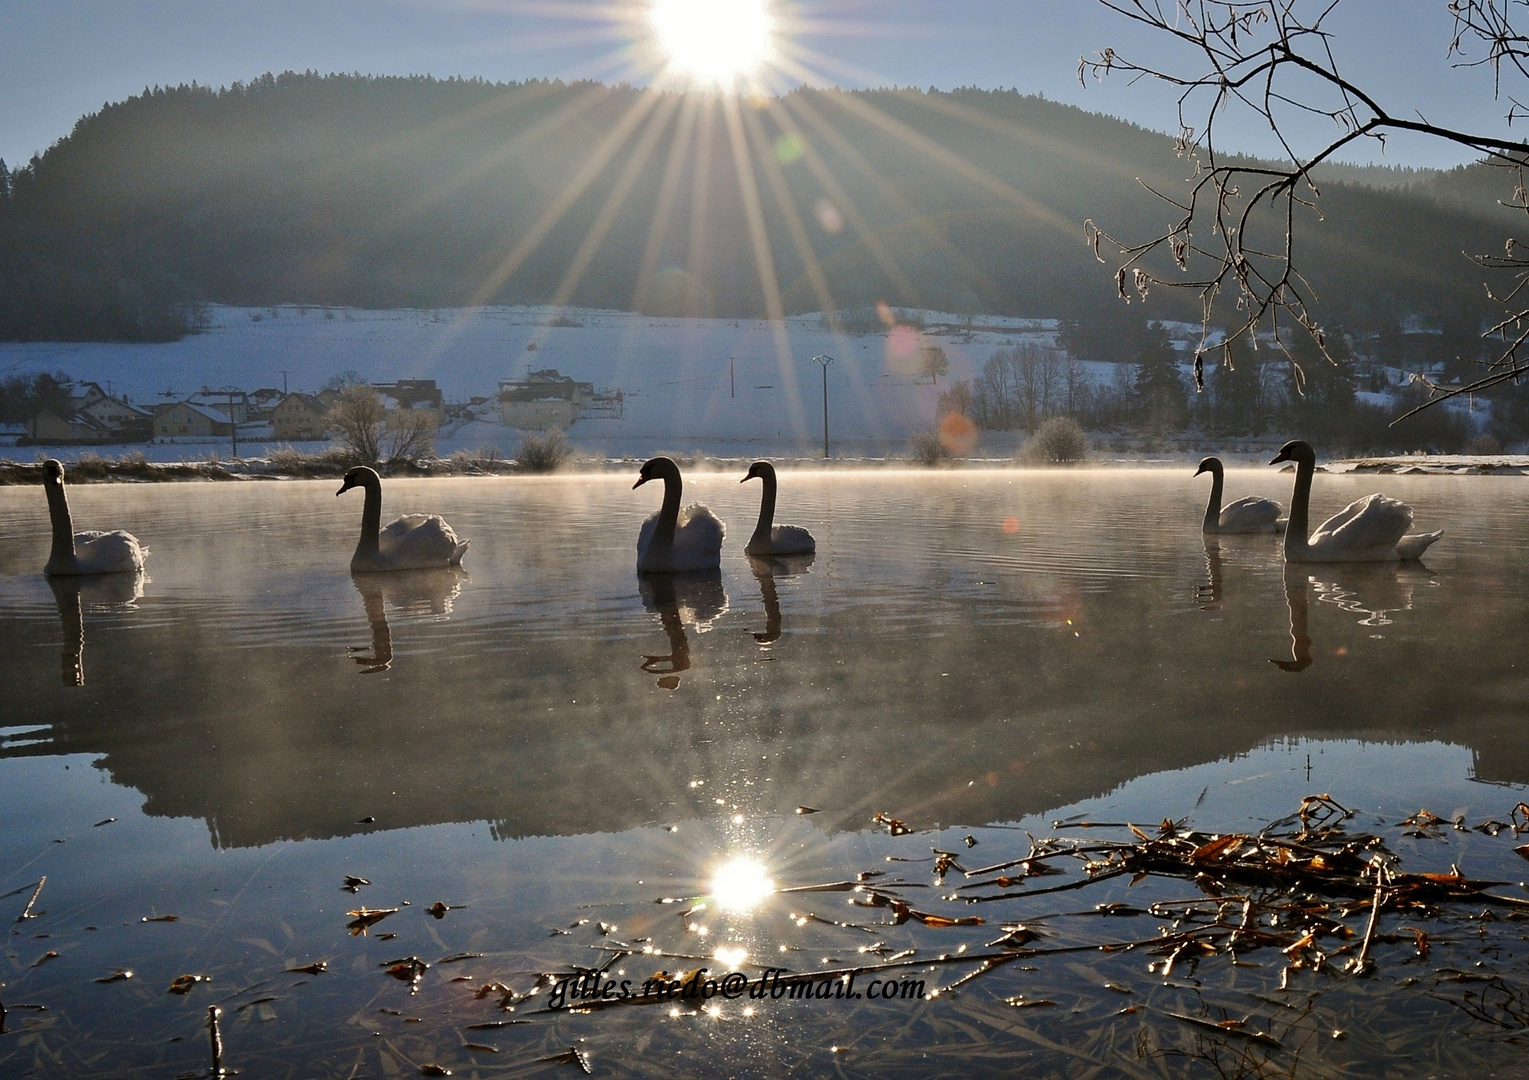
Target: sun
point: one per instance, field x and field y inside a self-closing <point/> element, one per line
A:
<point x="715" y="43"/>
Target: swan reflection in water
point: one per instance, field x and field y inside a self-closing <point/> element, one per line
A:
<point x="766" y="570"/>
<point x="1375" y="591"/>
<point x="1208" y="596"/>
<point x="100" y="591"/>
<point x="697" y="598"/>
<point x="411" y="594"/>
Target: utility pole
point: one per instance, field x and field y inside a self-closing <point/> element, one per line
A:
<point x="283" y="382"/>
<point x="732" y="382"/>
<point x="825" y="360"/>
<point x="233" y="425"/>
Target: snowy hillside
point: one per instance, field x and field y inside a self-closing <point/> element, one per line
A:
<point x="673" y="373"/>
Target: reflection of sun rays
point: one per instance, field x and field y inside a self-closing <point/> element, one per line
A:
<point x="740" y="885"/>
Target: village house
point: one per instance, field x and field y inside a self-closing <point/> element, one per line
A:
<point x="49" y="428"/>
<point x="548" y="400"/>
<point x="298" y="418"/>
<point x="92" y="416"/>
<point x="235" y="406"/>
<point x="128" y="422"/>
<point x="415" y="395"/>
<point x="263" y="402"/>
<point x="187" y="420"/>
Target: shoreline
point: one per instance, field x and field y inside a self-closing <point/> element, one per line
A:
<point x="133" y="468"/>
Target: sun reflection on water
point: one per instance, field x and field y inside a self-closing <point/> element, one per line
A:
<point x="740" y="885"/>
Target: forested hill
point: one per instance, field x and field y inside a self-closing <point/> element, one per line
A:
<point x="420" y="192"/>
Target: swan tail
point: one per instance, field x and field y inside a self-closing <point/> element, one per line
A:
<point x="1412" y="547"/>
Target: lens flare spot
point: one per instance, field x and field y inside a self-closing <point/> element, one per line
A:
<point x="741" y="885"/>
<point x="1011" y="525"/>
<point x="902" y="350"/>
<point x="829" y="217"/>
<point x="788" y="149"/>
<point x="958" y="434"/>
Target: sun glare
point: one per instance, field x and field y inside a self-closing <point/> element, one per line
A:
<point x="716" y="43"/>
<point x="741" y="885"/>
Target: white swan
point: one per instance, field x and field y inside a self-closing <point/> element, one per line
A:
<point x="769" y="538"/>
<point x="1371" y="529"/>
<point x="84" y="552"/>
<point x="1248" y="515"/>
<point x="672" y="541"/>
<point x="413" y="542"/>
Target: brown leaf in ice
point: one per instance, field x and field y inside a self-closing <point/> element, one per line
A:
<point x="363" y="918"/>
<point x="183" y="984"/>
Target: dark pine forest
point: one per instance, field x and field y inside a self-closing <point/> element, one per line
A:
<point x="384" y="192"/>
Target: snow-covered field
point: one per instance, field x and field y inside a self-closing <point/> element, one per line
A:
<point x="719" y="386"/>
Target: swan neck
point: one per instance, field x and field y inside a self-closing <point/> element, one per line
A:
<point x="766" y="508"/>
<point x="371" y="517"/>
<point x="58" y="515"/>
<point x="1213" y="508"/>
<point x="669" y="514"/>
<point x="1296" y="541"/>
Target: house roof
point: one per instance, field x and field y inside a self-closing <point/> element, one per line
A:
<point x="307" y="399"/>
<point x="209" y="414"/>
<point x="116" y="401"/>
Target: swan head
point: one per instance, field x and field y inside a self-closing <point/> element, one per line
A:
<point x="53" y="471"/>
<point x="360" y="476"/>
<point x="659" y="468"/>
<point x="1209" y="465"/>
<point x="1295" y="450"/>
<point x="760" y="470"/>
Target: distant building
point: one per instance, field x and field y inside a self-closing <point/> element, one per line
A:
<point x="263" y="402"/>
<point x="415" y="395"/>
<point x="92" y="416"/>
<point x="548" y="400"/>
<point x="234" y="406"/>
<point x="298" y="418"/>
<point x="188" y="420"/>
<point x="50" y="428"/>
<point x="128" y="422"/>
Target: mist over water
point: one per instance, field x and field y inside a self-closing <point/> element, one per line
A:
<point x="966" y="651"/>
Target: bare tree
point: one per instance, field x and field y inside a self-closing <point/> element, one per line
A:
<point x="933" y="362"/>
<point x="1233" y="235"/>
<point x="356" y="418"/>
<point x="409" y="434"/>
<point x="1038" y="370"/>
<point x="360" y="419"/>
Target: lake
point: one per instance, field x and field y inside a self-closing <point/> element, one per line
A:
<point x="523" y="758"/>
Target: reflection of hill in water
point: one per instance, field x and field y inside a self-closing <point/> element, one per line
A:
<point x="972" y="691"/>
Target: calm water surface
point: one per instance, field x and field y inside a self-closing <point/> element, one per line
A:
<point x="546" y="743"/>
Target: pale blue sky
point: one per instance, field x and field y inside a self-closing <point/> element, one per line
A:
<point x="62" y="58"/>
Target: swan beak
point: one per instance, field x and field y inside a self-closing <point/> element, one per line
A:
<point x="1279" y="457"/>
<point x="1200" y="470"/>
<point x="641" y="480"/>
<point x="343" y="488"/>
